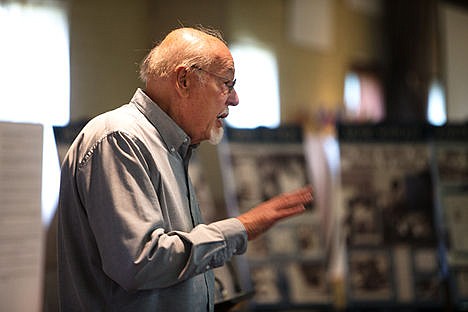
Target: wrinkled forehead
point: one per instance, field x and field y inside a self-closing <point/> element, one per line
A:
<point x="222" y="58"/>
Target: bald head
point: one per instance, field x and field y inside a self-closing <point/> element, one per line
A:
<point x="181" y="47"/>
<point x="190" y="76"/>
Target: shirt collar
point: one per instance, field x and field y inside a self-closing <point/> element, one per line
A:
<point x="173" y="136"/>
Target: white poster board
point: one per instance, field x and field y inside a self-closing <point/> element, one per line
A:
<point x="455" y="31"/>
<point x="21" y="233"/>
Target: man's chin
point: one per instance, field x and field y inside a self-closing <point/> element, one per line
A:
<point x="216" y="135"/>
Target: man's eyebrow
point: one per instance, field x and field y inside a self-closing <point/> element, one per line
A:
<point x="230" y="69"/>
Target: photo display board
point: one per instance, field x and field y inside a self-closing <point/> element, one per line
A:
<point x="450" y="149"/>
<point x="287" y="264"/>
<point x="389" y="221"/>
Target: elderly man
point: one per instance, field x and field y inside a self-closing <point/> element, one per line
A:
<point x="130" y="235"/>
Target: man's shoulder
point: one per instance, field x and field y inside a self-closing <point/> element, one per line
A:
<point x="125" y="119"/>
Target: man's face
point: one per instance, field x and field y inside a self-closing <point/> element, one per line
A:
<point x="211" y="101"/>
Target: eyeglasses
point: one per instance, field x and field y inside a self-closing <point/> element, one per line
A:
<point x="228" y="82"/>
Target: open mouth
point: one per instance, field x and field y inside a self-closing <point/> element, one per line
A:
<point x="223" y="115"/>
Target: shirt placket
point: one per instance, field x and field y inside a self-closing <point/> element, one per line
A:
<point x="197" y="219"/>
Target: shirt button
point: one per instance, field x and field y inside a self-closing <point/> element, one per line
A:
<point x="172" y="149"/>
<point x="207" y="267"/>
<point x="186" y="140"/>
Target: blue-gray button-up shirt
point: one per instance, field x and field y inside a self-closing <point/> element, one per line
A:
<point x="130" y="234"/>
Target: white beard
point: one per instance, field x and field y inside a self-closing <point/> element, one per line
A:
<point x="216" y="135"/>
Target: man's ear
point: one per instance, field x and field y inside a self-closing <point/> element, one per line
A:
<point x="182" y="81"/>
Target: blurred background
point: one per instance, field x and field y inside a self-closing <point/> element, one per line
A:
<point x="312" y="63"/>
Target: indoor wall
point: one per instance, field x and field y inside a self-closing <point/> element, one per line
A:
<point x="108" y="39"/>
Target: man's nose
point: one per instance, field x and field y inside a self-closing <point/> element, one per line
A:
<point x="233" y="99"/>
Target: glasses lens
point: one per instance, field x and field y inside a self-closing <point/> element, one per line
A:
<point x="230" y="84"/>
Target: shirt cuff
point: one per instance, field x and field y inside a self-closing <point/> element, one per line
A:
<point x="234" y="233"/>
